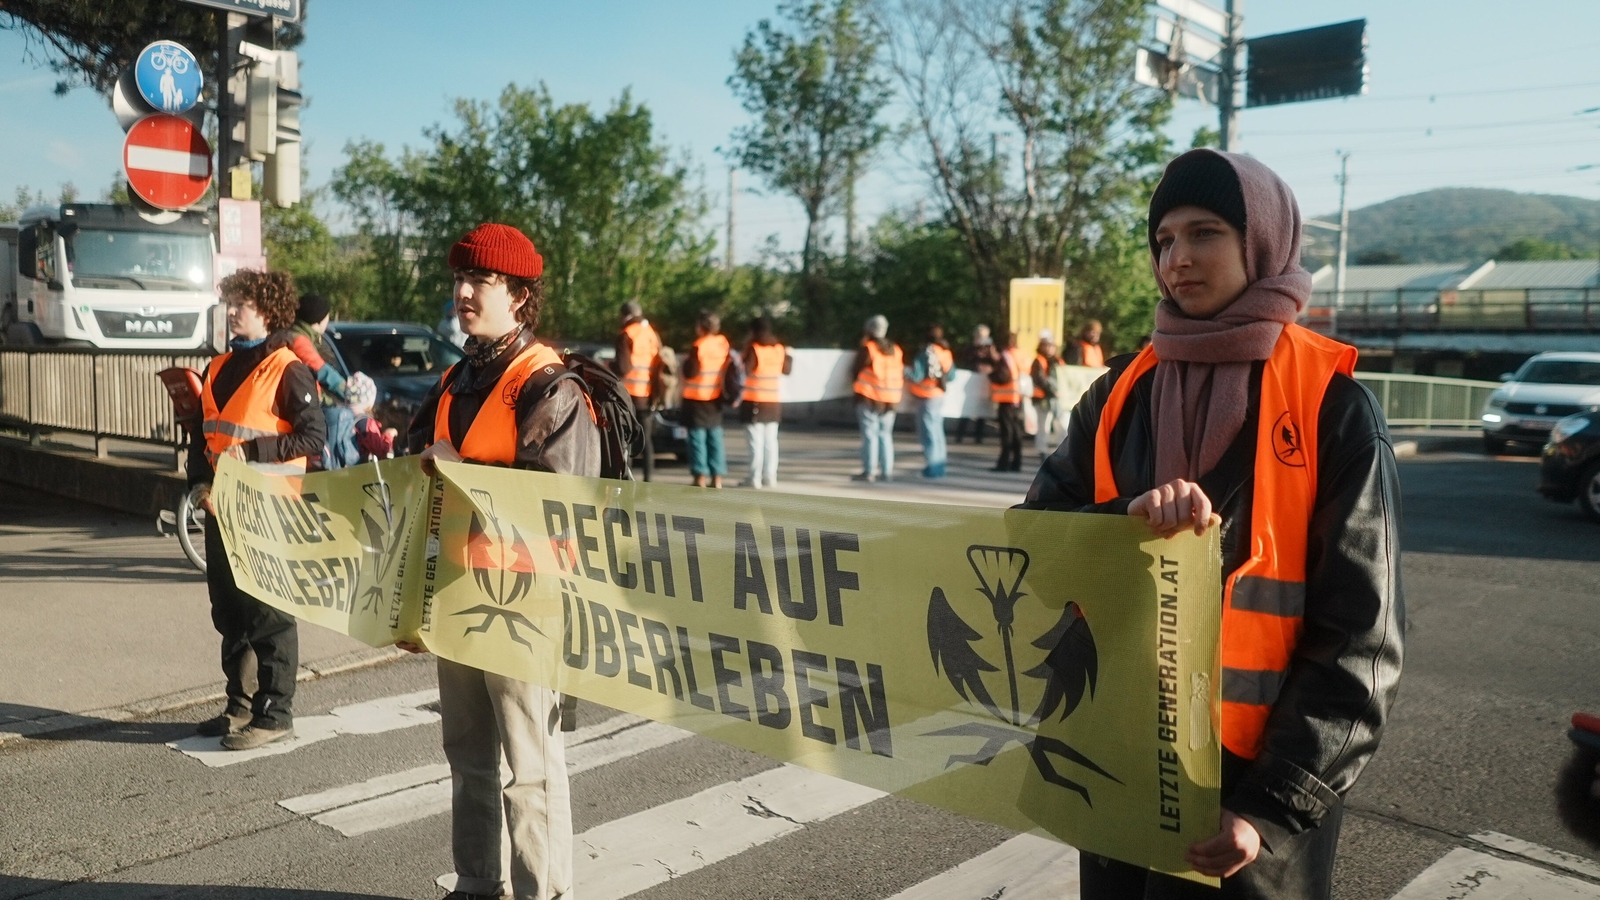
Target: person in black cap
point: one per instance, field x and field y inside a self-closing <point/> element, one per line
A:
<point x="311" y="346"/>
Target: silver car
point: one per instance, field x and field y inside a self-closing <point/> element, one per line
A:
<point x="1548" y="388"/>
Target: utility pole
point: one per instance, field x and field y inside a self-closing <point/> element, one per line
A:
<point x="850" y="209"/>
<point x="733" y="191"/>
<point x="1231" y="77"/>
<point x="1344" y="230"/>
<point x="231" y="28"/>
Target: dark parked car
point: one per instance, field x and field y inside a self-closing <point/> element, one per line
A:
<point x="405" y="361"/>
<point x="1570" y="469"/>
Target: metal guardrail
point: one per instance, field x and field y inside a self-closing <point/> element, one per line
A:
<point x="1425" y="401"/>
<point x="105" y="395"/>
<point x="1543" y="310"/>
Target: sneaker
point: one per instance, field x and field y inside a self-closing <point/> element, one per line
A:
<point x="252" y="736"/>
<point x="886" y="478"/>
<point x="224" y="724"/>
<point x="863" y="476"/>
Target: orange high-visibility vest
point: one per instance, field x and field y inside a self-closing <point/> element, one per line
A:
<point x="712" y="351"/>
<point x="1091" y="354"/>
<point x="928" y="388"/>
<point x="646" y="355"/>
<point x="884" y="380"/>
<point x="248" y="414"/>
<point x="1264" y="599"/>
<point x="492" y="436"/>
<point x="1044" y="372"/>
<point x="1011" y="391"/>
<point x="761" y="384"/>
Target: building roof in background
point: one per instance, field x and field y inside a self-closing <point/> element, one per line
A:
<point x="1422" y="277"/>
<point x="1567" y="273"/>
<point x="1487" y="275"/>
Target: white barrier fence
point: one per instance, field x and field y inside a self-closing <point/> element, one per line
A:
<point x="819" y="375"/>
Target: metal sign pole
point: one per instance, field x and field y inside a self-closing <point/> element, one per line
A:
<point x="1344" y="230"/>
<point x="1228" y="107"/>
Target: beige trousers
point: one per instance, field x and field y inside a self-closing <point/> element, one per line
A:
<point x="514" y="827"/>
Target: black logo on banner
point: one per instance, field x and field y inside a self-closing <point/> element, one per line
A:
<point x="502" y="568"/>
<point x="380" y="545"/>
<point x="1069" y="669"/>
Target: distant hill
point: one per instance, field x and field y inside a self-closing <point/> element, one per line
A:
<point x="1461" y="224"/>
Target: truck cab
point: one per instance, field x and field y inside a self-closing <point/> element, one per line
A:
<point x="107" y="276"/>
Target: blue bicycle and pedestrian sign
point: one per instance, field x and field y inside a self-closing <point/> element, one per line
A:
<point x="168" y="77"/>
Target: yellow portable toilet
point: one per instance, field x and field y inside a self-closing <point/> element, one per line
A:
<point x="1037" y="304"/>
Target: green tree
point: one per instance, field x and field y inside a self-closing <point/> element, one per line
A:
<point x="1535" y="248"/>
<point x="814" y="92"/>
<point x="1035" y="139"/>
<point x="297" y="240"/>
<point x="90" y="42"/>
<point x="613" y="214"/>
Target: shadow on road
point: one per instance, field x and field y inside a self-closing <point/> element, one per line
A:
<point x="74" y="727"/>
<point x="15" y="888"/>
<point x="1579" y="810"/>
<point x="71" y="565"/>
<point x="1489" y="507"/>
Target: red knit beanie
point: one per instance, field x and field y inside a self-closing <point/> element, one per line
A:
<point x="498" y="248"/>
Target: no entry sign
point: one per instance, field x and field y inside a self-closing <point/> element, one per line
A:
<point x="167" y="160"/>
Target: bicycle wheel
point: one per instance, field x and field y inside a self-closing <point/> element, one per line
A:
<point x="192" y="527"/>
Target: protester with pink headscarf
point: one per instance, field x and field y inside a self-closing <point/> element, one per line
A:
<point x="1237" y="418"/>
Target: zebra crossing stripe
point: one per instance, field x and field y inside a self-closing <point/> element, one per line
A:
<point x="391" y="800"/>
<point x="1464" y="874"/>
<point x="1027" y="867"/>
<point x="371" y="717"/>
<point x="628" y="855"/>
<point x="1569" y="861"/>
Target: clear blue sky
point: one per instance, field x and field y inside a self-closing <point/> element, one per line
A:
<point x="1500" y="86"/>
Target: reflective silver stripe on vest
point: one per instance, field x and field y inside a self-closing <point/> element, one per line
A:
<point x="1256" y="687"/>
<point x="235" y="431"/>
<point x="1252" y="593"/>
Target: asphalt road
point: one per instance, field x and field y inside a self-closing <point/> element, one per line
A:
<point x="1476" y="791"/>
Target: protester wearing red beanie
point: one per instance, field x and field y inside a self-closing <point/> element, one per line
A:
<point x="497" y="248"/>
<point x="487" y="718"/>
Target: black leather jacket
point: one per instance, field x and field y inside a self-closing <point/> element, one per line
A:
<point x="1342" y="679"/>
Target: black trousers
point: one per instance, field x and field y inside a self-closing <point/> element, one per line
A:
<point x="259" y="643"/>
<point x="977" y="429"/>
<point x="1301" y="869"/>
<point x="647" y="420"/>
<point x="1011" y="428"/>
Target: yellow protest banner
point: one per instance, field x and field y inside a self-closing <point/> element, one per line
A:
<point x="1044" y="671"/>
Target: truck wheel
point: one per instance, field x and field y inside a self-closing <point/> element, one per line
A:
<point x="1589" y="491"/>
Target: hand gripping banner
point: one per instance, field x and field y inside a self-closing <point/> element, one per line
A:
<point x="1044" y="671"/>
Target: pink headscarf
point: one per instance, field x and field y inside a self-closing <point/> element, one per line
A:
<point x="1202" y="381"/>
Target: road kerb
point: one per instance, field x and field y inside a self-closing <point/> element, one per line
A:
<point x="138" y="709"/>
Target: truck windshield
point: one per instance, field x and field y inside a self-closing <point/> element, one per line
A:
<point x="1561" y="371"/>
<point x="154" y="261"/>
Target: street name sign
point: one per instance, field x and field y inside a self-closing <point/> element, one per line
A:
<point x="168" y="161"/>
<point x="281" y="9"/>
<point x="168" y="77"/>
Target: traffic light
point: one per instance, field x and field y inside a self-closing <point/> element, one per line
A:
<point x="281" y="174"/>
<point x="272" y="120"/>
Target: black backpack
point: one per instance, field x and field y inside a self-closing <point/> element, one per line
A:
<point x="733" y="378"/>
<point x="621" y="435"/>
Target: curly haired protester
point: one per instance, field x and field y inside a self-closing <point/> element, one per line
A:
<point x="1237" y="411"/>
<point x="260" y="405"/>
<point x="505" y="405"/>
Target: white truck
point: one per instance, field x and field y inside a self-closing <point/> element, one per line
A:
<point x="108" y="276"/>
